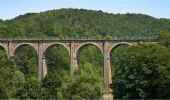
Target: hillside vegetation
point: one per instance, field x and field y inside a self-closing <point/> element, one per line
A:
<point x="81" y="23"/>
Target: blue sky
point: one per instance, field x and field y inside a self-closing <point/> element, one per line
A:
<point x="157" y="8"/>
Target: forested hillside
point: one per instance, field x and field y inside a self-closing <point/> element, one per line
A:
<point x="80" y="23"/>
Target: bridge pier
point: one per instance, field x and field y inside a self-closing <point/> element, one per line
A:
<point x="9" y="50"/>
<point x="40" y="61"/>
<point x="107" y="92"/>
<point x="73" y="59"/>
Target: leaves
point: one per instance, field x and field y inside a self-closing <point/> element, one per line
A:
<point x="87" y="83"/>
<point x="142" y="72"/>
<point x="80" y="23"/>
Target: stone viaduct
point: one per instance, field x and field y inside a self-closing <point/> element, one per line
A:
<point x="73" y="47"/>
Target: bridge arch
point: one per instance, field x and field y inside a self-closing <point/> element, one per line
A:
<point x="21" y="45"/>
<point x="56" y="43"/>
<point x="29" y="69"/>
<point x="77" y="51"/>
<point x="97" y="49"/>
<point x="46" y="61"/>
<point x="115" y="46"/>
<point x="99" y="60"/>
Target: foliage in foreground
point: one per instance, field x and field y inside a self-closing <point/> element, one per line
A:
<point x="142" y="71"/>
<point x="87" y="83"/>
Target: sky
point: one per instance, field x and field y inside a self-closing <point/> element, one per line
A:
<point x="156" y="8"/>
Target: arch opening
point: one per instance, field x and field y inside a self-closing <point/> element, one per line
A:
<point x="56" y="44"/>
<point x="22" y="45"/>
<point x="26" y="61"/>
<point x="58" y="66"/>
<point x="115" y="52"/>
<point x="57" y="58"/>
<point x="87" y="44"/>
<point x="90" y="63"/>
<point x="89" y="53"/>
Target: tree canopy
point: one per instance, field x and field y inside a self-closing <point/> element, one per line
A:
<point x="142" y="71"/>
<point x="80" y="23"/>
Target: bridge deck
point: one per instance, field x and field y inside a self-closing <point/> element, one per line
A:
<point x="85" y="40"/>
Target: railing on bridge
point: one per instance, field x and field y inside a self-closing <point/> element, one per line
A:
<point x="87" y="38"/>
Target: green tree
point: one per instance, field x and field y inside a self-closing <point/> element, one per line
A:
<point x="57" y="58"/>
<point x="3" y="91"/>
<point x="142" y="72"/>
<point x="115" y="53"/>
<point x="165" y="39"/>
<point x="10" y="77"/>
<point x="91" y="54"/>
<point x="3" y="75"/>
<point x="52" y="82"/>
<point x="55" y="84"/>
<point x="87" y="84"/>
<point x="80" y="23"/>
<point x="30" y="89"/>
<point x="27" y="61"/>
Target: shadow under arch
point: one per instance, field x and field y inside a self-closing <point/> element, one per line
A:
<point x="55" y="59"/>
<point x="26" y="58"/>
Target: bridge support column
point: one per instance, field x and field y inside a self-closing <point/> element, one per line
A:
<point x="107" y="74"/>
<point x="42" y="67"/>
<point x="10" y="53"/>
<point x="73" y="59"/>
<point x="40" y="61"/>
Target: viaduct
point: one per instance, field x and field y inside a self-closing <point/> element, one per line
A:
<point x="73" y="47"/>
